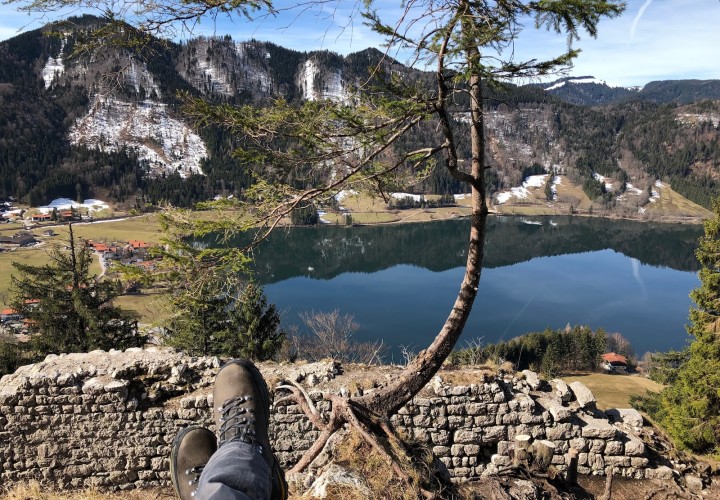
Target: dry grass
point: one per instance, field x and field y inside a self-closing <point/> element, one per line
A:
<point x="36" y="256"/>
<point x="34" y="491"/>
<point x="146" y="228"/>
<point x="536" y="204"/>
<point x="354" y="453"/>
<point x="672" y="204"/>
<point x="151" y="308"/>
<point x="614" y="391"/>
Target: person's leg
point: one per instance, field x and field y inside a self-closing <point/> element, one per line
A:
<point x="236" y="471"/>
<point x="244" y="465"/>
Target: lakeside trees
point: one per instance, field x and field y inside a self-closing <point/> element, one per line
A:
<point x="554" y="352"/>
<point x="217" y="308"/>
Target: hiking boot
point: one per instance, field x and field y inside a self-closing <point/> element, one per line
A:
<point x="242" y="412"/>
<point x="191" y="450"/>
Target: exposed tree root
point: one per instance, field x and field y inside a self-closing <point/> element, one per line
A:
<point x="345" y="411"/>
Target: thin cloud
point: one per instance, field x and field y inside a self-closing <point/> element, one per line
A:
<point x="638" y="16"/>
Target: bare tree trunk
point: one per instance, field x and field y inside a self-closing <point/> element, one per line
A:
<point x="420" y="371"/>
<point x="376" y="408"/>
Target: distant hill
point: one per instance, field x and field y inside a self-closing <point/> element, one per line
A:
<point x="590" y="91"/>
<point x="108" y="124"/>
<point x="586" y="91"/>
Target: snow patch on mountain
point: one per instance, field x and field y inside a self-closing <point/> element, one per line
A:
<point x="137" y="76"/>
<point x="216" y="78"/>
<point x="698" y="118"/>
<point x="607" y="182"/>
<point x="584" y="79"/>
<point x="401" y="196"/>
<point x="316" y="86"/>
<point x="522" y="192"/>
<point x="54" y="67"/>
<point x="163" y="141"/>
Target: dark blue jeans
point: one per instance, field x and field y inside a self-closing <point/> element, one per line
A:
<point x="236" y="471"/>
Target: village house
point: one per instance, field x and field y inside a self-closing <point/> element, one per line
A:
<point x="21" y="239"/>
<point x="614" y="363"/>
<point x="8" y="315"/>
<point x="41" y="217"/>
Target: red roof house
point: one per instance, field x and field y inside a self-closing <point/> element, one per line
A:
<point x="614" y="358"/>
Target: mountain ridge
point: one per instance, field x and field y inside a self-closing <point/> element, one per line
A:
<point x="115" y="108"/>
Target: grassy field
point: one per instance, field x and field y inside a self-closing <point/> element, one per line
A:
<point x="671" y="203"/>
<point x="151" y="308"/>
<point x="614" y="391"/>
<point x="145" y="228"/>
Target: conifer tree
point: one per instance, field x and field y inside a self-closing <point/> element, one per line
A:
<point x="66" y="308"/>
<point x="690" y="406"/>
<point x="217" y="310"/>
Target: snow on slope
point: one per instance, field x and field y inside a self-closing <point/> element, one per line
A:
<point x="137" y="75"/>
<point x="588" y="79"/>
<point x="522" y="192"/>
<point x="166" y="143"/>
<point x="316" y="86"/>
<point x="67" y="204"/>
<point x="54" y="66"/>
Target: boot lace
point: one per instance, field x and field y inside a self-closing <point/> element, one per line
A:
<point x="237" y="422"/>
<point x="195" y="473"/>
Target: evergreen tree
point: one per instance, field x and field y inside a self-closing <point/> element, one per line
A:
<point x="67" y="309"/>
<point x="215" y="311"/>
<point x="689" y="408"/>
<point x="253" y="327"/>
<point x="9" y="355"/>
<point x="306" y="215"/>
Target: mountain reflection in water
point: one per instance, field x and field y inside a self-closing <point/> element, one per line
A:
<point x="399" y="281"/>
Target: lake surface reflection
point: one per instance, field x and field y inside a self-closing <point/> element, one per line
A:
<point x="400" y="281"/>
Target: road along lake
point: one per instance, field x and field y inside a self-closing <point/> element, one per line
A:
<point x="399" y="281"/>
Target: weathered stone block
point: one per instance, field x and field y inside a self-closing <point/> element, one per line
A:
<point x="583" y="395"/>
<point x="628" y="416"/>
<point x="596" y="428"/>
<point x="662" y="472"/>
<point x="617" y="461"/>
<point x="532" y="379"/>
<point x="494" y="434"/>
<point x="469" y="436"/>
<point x="614" y="447"/>
<point x="441" y="451"/>
<point x="558" y="432"/>
<point x="634" y="447"/>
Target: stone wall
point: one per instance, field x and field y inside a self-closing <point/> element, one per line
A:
<point x="108" y="419"/>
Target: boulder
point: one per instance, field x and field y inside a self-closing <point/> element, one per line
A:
<point x="532" y="379"/>
<point x="583" y="395"/>
<point x="562" y="390"/>
<point x="627" y="416"/>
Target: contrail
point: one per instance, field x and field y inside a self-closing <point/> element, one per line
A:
<point x="636" y="274"/>
<point x="637" y="18"/>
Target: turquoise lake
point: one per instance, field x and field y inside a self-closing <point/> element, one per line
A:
<point x="399" y="281"/>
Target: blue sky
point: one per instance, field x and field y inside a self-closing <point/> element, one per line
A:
<point x="652" y="40"/>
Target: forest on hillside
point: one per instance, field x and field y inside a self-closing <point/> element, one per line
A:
<point x="638" y="141"/>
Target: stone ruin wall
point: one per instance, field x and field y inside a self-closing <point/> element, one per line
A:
<point x="108" y="420"/>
